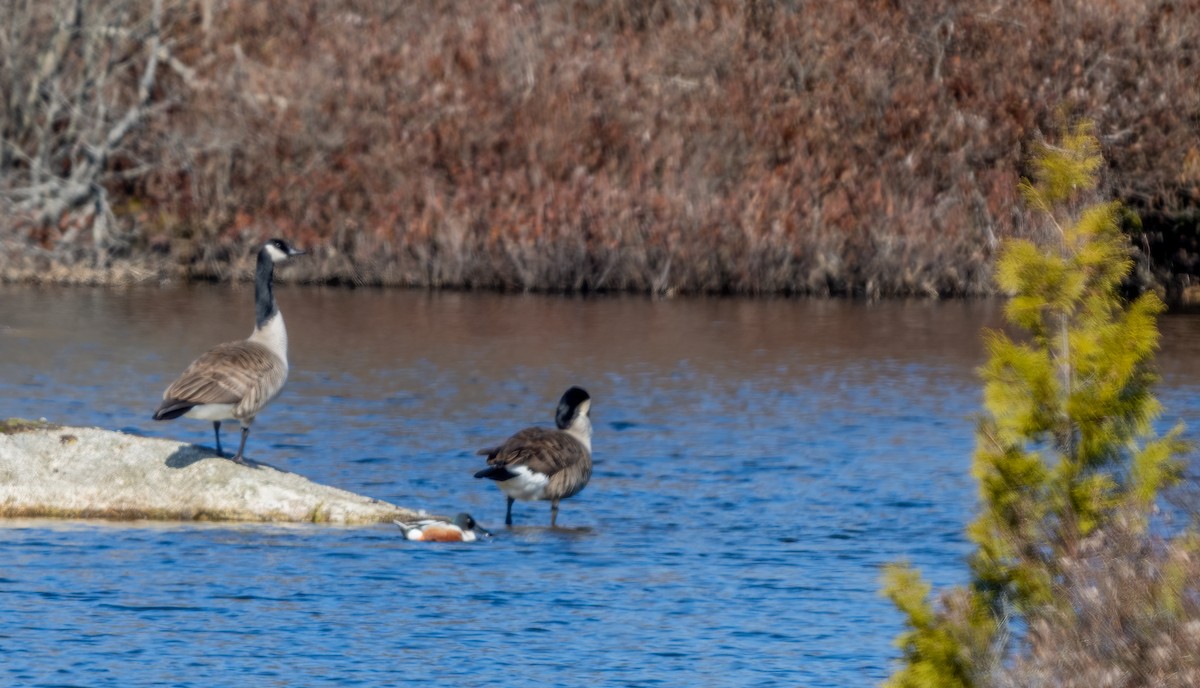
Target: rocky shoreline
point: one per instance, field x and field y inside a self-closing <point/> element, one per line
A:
<point x="53" y="471"/>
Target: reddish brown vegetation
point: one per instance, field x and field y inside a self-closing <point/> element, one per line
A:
<point x="1130" y="618"/>
<point x="652" y="146"/>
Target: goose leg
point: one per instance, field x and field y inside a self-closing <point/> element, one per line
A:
<point x="245" y="433"/>
<point x="217" y="431"/>
<point x="508" y="514"/>
<point x="553" y="513"/>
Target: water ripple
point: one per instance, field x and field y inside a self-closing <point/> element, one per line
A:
<point x="748" y="488"/>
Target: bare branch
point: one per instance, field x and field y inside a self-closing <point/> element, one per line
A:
<point x="133" y="116"/>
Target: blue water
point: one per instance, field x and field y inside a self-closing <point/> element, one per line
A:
<point x="756" y="463"/>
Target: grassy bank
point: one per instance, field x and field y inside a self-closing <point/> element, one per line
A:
<point x="674" y="145"/>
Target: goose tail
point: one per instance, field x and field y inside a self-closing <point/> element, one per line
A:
<point x="498" y="473"/>
<point x="172" y="408"/>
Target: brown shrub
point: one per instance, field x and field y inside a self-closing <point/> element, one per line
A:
<point x="673" y="145"/>
<point x="1132" y="619"/>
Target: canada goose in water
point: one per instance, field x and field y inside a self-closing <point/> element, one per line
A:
<point x="462" y="529"/>
<point x="235" y="380"/>
<point x="545" y="464"/>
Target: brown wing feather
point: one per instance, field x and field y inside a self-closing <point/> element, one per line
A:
<point x="553" y="453"/>
<point x="244" y="373"/>
<point x="571" y="479"/>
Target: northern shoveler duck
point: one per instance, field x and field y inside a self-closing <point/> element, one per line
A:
<point x="541" y="464"/>
<point x="462" y="529"/>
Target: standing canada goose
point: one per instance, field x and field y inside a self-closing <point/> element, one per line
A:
<point x="235" y="380"/>
<point x="545" y="464"/>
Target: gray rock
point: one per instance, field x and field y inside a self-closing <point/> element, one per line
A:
<point x="63" y="472"/>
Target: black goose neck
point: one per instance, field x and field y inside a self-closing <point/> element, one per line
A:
<point x="264" y="299"/>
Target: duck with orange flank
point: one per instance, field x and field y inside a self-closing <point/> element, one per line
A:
<point x="462" y="529"/>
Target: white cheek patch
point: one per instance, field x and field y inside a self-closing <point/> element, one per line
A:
<point x="276" y="255"/>
<point x="525" y="484"/>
